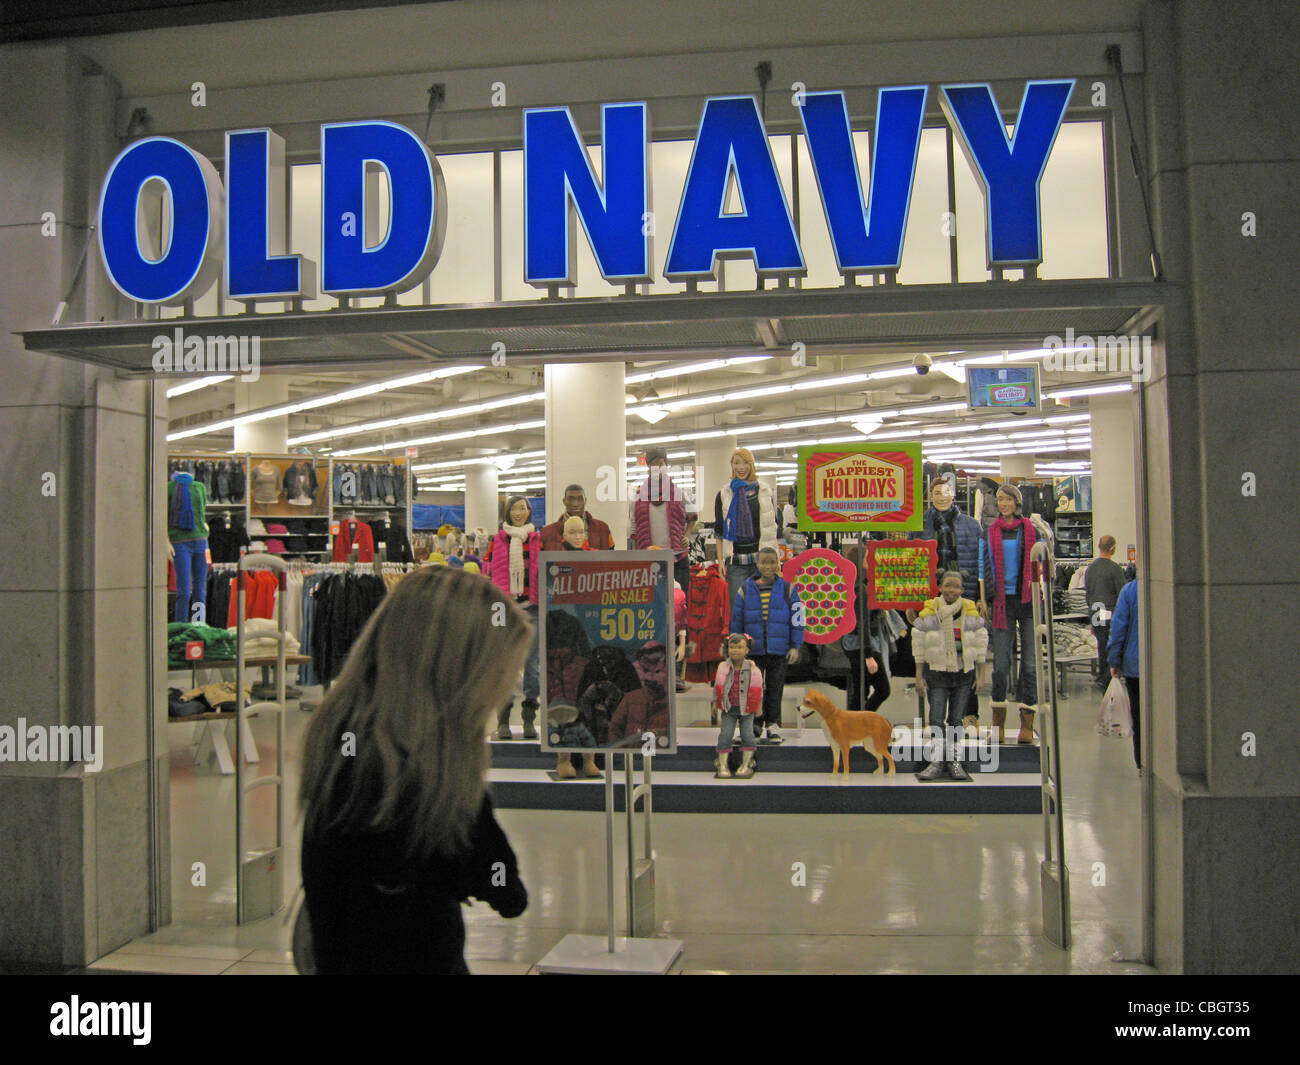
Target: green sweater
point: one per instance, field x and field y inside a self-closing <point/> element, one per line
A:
<point x="199" y="501"/>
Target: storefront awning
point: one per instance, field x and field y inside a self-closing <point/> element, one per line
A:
<point x="883" y="318"/>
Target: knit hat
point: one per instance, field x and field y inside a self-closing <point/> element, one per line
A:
<point x="510" y="505"/>
<point x="1010" y="489"/>
<point x="472" y="567"/>
<point x="654" y="454"/>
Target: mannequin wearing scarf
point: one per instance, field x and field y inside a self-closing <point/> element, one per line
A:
<point x="512" y="564"/>
<point x="1009" y="583"/>
<point x="744" y="520"/>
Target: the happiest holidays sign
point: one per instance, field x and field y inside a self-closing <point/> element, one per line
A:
<point x="235" y="225"/>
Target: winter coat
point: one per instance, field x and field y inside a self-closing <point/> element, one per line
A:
<point x="751" y="691"/>
<point x="564" y="671"/>
<point x="599" y="537"/>
<point x="1122" y="645"/>
<point x="779" y="633"/>
<point x="765" y="527"/>
<point x="929" y="645"/>
<point x="641" y="710"/>
<point x="708" y="614"/>
<point x="970" y="558"/>
<point x="356" y="534"/>
<point x="498" y="560"/>
<point x="675" y="509"/>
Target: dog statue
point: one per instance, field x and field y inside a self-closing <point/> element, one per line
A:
<point x="844" y="728"/>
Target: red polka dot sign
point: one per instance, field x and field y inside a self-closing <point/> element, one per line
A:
<point x="825" y="584"/>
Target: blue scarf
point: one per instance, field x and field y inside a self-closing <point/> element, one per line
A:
<point x="739" y="524"/>
<point x="180" y="515"/>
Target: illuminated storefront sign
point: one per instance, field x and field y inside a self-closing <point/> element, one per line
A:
<point x="860" y="488"/>
<point x="245" y="221"/>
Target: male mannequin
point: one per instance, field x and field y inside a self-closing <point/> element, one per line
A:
<point x="575" y="506"/>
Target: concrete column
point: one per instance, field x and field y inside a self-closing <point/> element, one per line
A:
<point x="713" y="462"/>
<point x="1114" y="471"/>
<point x="481" y="497"/>
<point x="1017" y="466"/>
<point x="586" y="440"/>
<point x="271" y="435"/>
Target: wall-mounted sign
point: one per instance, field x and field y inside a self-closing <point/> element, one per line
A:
<point x="246" y="221"/>
<point x="825" y="584"/>
<point x="900" y="573"/>
<point x="1013" y="388"/>
<point x="860" y="487"/>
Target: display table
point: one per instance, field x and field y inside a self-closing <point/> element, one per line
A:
<point x="212" y="730"/>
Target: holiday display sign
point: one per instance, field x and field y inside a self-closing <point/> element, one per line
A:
<point x="860" y="488"/>
<point x="824" y="581"/>
<point x="606" y="662"/>
<point x="900" y="573"/>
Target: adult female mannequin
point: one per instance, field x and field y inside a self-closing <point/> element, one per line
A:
<point x="743" y="529"/>
<point x="1008" y="587"/>
<point x="511" y="558"/>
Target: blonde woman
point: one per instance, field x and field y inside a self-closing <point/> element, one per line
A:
<point x="398" y="828"/>
<point x="744" y="515"/>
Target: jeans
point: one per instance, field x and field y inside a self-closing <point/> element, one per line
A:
<point x="877" y="683"/>
<point x="737" y="575"/>
<point x="727" y="732"/>
<point x="1102" y="632"/>
<point x="532" y="681"/>
<point x="191" y="565"/>
<point x="773" y="667"/>
<point x="1019" y="615"/>
<point x="1135" y="706"/>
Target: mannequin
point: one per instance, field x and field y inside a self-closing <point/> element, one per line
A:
<point x="1006" y="547"/>
<point x="266" y="483"/>
<point x="512" y="562"/>
<point x="187" y="532"/>
<point x="353" y="533"/>
<point x="657" y="515"/>
<point x="575" y="539"/>
<point x="575" y="505"/>
<point x="740" y="535"/>
<point x="300" y="484"/>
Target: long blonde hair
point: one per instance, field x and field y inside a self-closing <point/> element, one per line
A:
<point x="748" y="456"/>
<point x="401" y="736"/>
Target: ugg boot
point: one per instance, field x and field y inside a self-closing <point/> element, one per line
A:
<point x="564" y="767"/>
<point x="971" y="724"/>
<point x="720" y="762"/>
<point x="590" y="769"/>
<point x="529" y="714"/>
<point x="999" y="722"/>
<point x="957" y="771"/>
<point x="746" y="769"/>
<point x="934" y="771"/>
<point x="1026" y="726"/>
<point x="503" y="722"/>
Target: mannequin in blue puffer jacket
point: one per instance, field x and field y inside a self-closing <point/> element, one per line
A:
<point x="769" y="611"/>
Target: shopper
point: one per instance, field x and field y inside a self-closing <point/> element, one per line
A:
<point x="1122" y="652"/>
<point x="398" y="829"/>
<point x="187" y="531"/>
<point x="873" y="672"/>
<point x="769" y="608"/>
<point x="744" y="515"/>
<point x="575" y="505"/>
<point x="1102" y="582"/>
<point x="948" y="641"/>
<point x="1008" y="572"/>
<point x="511" y="558"/>
<point x="738" y="698"/>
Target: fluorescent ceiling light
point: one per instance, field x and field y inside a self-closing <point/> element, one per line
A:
<point x="1095" y="390"/>
<point x="194" y="386"/>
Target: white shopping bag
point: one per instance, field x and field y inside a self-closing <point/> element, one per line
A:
<point x="1116" y="715"/>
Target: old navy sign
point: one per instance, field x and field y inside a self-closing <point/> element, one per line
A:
<point x="241" y="227"/>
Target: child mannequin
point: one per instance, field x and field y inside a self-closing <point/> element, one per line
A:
<point x="768" y="606"/>
<point x="738" y="697"/>
<point x="512" y="555"/>
<point x="575" y="539"/>
<point x="575" y="534"/>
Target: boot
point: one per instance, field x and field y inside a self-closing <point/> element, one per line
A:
<point x="971" y="724"/>
<point x="720" y="762"/>
<point x="529" y="716"/>
<point x="934" y="771"/>
<point x="564" y="767"/>
<point x="999" y="722"/>
<point x="589" y="768"/>
<point x="957" y="771"/>
<point x="1026" y="726"/>
<point x="503" y="722"/>
<point x="746" y="769"/>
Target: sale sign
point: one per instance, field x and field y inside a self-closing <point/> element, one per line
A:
<point x="900" y="573"/>
<point x="606" y="651"/>
<point x="860" y="488"/>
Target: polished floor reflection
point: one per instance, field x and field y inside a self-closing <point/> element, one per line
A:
<point x="764" y="892"/>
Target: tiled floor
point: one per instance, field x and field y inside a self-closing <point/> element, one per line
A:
<point x="744" y="893"/>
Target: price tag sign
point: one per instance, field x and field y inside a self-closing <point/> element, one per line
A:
<point x="193" y="650"/>
<point x="608" y="670"/>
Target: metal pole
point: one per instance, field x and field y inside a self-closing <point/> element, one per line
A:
<point x="151" y="774"/>
<point x="862" y="626"/>
<point x="629" y="803"/>
<point x="609" y="850"/>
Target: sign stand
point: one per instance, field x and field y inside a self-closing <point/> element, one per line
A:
<point x="630" y="955"/>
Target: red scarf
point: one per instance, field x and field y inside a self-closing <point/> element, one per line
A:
<point x="1010" y="527"/>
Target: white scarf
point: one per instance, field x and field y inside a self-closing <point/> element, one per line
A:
<point x="517" y="534"/>
<point x="948" y="616"/>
